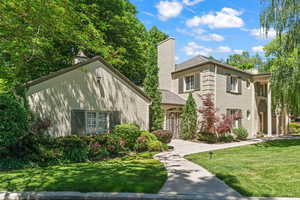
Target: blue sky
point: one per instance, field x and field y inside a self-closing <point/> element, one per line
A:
<point x="208" y="27"/>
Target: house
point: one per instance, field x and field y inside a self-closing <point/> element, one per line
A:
<point x="234" y="90"/>
<point x="88" y="97"/>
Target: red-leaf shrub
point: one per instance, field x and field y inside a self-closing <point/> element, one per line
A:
<point x="165" y="136"/>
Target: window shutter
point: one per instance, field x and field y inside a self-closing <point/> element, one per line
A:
<point x="240" y="86"/>
<point x="241" y="117"/>
<point x="114" y="119"/>
<point x="180" y="89"/>
<point x="197" y="81"/>
<point x="228" y="86"/>
<point x="77" y="122"/>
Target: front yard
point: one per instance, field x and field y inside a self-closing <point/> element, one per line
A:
<point x="269" y="169"/>
<point x="138" y="173"/>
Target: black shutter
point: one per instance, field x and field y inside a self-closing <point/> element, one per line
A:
<point x="228" y="85"/>
<point x="77" y="122"/>
<point x="241" y="117"/>
<point x="180" y="89"/>
<point x="240" y="86"/>
<point x="197" y="81"/>
<point x="114" y="119"/>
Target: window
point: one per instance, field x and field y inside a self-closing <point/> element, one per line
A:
<point x="97" y="122"/>
<point x="248" y="114"/>
<point x="233" y="84"/>
<point x="189" y="83"/>
<point x="236" y="114"/>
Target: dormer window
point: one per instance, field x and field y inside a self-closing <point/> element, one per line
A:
<point x="189" y="83"/>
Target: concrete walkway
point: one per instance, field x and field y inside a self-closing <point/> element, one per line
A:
<point x="185" y="177"/>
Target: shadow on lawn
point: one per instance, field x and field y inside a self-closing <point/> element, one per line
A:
<point x="279" y="143"/>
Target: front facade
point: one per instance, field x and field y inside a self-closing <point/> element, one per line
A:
<point x="90" y="97"/>
<point x="233" y="91"/>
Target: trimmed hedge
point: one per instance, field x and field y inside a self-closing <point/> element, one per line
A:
<point x="165" y="136"/>
<point x="294" y="127"/>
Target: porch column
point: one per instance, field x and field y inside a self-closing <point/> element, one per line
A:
<point x="269" y="111"/>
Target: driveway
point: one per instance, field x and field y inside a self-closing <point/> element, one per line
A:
<point x="187" y="178"/>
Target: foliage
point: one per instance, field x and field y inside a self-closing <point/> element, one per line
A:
<point x="244" y="61"/>
<point x="240" y="133"/>
<point x="165" y="136"/>
<point x="226" y="138"/>
<point x="208" y="112"/>
<point x="139" y="173"/>
<point x="283" y="16"/>
<point x="14" y="120"/>
<point x="294" y="127"/>
<point x="39" y="37"/>
<point x="129" y="132"/>
<point x="142" y="143"/>
<point x="225" y="124"/>
<point x="156" y="146"/>
<point x="151" y="83"/>
<point x="189" y="119"/>
<point x="208" y="137"/>
<point x="257" y="170"/>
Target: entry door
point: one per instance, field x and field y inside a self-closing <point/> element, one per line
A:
<point x="173" y="123"/>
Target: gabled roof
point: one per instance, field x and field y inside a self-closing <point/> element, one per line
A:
<point x="168" y="97"/>
<point x="202" y="60"/>
<point x="81" y="64"/>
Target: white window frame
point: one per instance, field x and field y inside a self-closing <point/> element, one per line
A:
<point x="92" y="130"/>
<point x="234" y="88"/>
<point x="192" y="86"/>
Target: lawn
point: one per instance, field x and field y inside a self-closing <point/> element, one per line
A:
<point x="138" y="173"/>
<point x="269" y="169"/>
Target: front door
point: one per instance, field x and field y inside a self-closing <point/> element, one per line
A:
<point x="173" y="123"/>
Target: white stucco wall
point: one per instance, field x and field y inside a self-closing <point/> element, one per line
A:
<point x="78" y="89"/>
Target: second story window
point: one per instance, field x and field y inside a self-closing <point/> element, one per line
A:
<point x="189" y="83"/>
<point x="234" y="84"/>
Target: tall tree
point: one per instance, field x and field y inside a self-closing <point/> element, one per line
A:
<point x="151" y="83"/>
<point x="189" y="119"/>
<point x="245" y="61"/>
<point x="284" y="17"/>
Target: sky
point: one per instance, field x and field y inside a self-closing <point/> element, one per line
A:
<point x="215" y="28"/>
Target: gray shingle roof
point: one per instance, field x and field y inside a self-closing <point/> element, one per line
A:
<point x="191" y="62"/>
<point x="169" y="97"/>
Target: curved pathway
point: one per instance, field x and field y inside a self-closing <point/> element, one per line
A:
<point x="187" y="178"/>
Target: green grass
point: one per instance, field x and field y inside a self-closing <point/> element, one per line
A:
<point x="269" y="169"/>
<point x="138" y="173"/>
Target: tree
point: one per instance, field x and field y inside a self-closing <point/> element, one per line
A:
<point x="151" y="83"/>
<point x="189" y="119"/>
<point x="245" y="61"/>
<point x="284" y="17"/>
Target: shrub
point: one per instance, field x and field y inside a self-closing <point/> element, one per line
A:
<point x="149" y="136"/>
<point x="226" y="138"/>
<point x="142" y="143"/>
<point x="13" y="120"/>
<point x="294" y="127"/>
<point x="129" y="132"/>
<point x="189" y="119"/>
<point x="240" y="133"/>
<point x="165" y="136"/>
<point x="208" y="137"/>
<point x="156" y="146"/>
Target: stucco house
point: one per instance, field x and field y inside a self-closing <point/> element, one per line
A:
<point x="88" y="97"/>
<point x="234" y="90"/>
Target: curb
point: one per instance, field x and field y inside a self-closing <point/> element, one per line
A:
<point x="118" y="196"/>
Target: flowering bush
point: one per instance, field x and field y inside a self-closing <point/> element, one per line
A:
<point x="165" y="136"/>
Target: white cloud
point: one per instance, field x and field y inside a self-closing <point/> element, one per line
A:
<point x="200" y="35"/>
<point x="261" y="33"/>
<point x="238" y="51"/>
<point x="193" y="49"/>
<point x="168" y="9"/>
<point x="191" y="2"/>
<point x="258" y="49"/>
<point x="223" y="49"/>
<point x="176" y="58"/>
<point x="226" y="18"/>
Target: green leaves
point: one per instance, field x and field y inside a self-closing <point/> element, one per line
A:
<point x="189" y="119"/>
